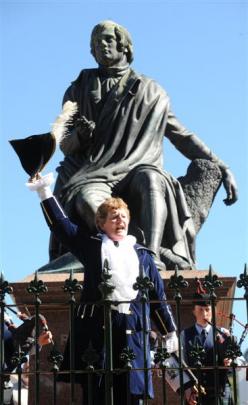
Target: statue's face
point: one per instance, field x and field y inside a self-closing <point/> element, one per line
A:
<point x="106" y="48"/>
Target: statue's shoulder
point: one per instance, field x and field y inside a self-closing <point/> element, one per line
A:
<point x="85" y="74"/>
<point x="149" y="83"/>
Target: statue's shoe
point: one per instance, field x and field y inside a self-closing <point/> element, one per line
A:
<point x="172" y="260"/>
<point x="159" y="264"/>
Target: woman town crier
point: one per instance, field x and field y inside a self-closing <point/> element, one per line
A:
<point x="125" y="258"/>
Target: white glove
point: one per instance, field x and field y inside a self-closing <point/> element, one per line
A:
<point x="171" y="342"/>
<point x="42" y="186"/>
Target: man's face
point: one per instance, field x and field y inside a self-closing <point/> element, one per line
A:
<point x="203" y="314"/>
<point x="116" y="224"/>
<point x="106" y="52"/>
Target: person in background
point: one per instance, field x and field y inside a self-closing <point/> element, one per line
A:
<point x="202" y="333"/>
<point x="126" y="260"/>
<point x="22" y="335"/>
<point x="24" y="385"/>
<point x="13" y="338"/>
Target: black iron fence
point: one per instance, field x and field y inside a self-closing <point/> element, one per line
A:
<point x="169" y="370"/>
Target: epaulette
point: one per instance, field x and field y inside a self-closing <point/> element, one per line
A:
<point x="96" y="238"/>
<point x="141" y="247"/>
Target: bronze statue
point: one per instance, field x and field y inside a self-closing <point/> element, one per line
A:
<point x="114" y="146"/>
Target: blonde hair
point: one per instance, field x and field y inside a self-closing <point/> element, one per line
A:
<point x="108" y="205"/>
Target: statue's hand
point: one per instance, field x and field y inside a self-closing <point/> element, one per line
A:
<point x="230" y="187"/>
<point x="84" y="127"/>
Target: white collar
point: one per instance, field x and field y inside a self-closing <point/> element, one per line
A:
<point x="128" y="240"/>
<point x="199" y="328"/>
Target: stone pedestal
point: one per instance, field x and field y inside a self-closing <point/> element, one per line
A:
<point x="54" y="308"/>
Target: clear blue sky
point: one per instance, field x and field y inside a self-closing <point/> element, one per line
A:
<point x="197" y="50"/>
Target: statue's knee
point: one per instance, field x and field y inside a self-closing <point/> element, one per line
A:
<point x="148" y="180"/>
<point x="86" y="208"/>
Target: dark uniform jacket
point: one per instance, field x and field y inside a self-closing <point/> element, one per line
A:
<point x="191" y="336"/>
<point x="127" y="329"/>
<point x="8" y="349"/>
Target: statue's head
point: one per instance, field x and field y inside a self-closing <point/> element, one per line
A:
<point x="120" y="34"/>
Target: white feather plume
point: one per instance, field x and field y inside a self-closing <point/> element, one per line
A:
<point x="60" y="126"/>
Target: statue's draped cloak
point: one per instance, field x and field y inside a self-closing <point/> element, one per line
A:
<point x="131" y="120"/>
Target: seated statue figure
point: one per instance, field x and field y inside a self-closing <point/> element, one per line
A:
<point x="114" y="147"/>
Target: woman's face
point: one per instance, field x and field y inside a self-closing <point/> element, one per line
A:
<point x="116" y="224"/>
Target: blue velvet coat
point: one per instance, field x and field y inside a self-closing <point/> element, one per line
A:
<point x="127" y="329"/>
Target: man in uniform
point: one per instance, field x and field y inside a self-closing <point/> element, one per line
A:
<point x="202" y="333"/>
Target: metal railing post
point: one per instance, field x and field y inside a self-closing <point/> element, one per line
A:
<point x="143" y="284"/>
<point x="106" y="288"/>
<point x="211" y="282"/>
<point x="36" y="287"/>
<point x="159" y="358"/>
<point x="243" y="282"/>
<point x="56" y="358"/>
<point x="4" y="289"/>
<point x="72" y="286"/>
<point x="177" y="282"/>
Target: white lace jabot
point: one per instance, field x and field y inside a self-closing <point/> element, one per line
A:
<point x="124" y="269"/>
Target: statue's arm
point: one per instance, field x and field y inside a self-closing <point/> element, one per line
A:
<point x="191" y="146"/>
<point x="70" y="143"/>
<point x="80" y="130"/>
<point x="79" y="136"/>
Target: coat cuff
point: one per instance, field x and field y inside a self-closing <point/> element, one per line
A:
<point x="164" y="325"/>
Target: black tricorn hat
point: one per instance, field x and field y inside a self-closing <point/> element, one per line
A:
<point x="201" y="297"/>
<point x="34" y="151"/>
